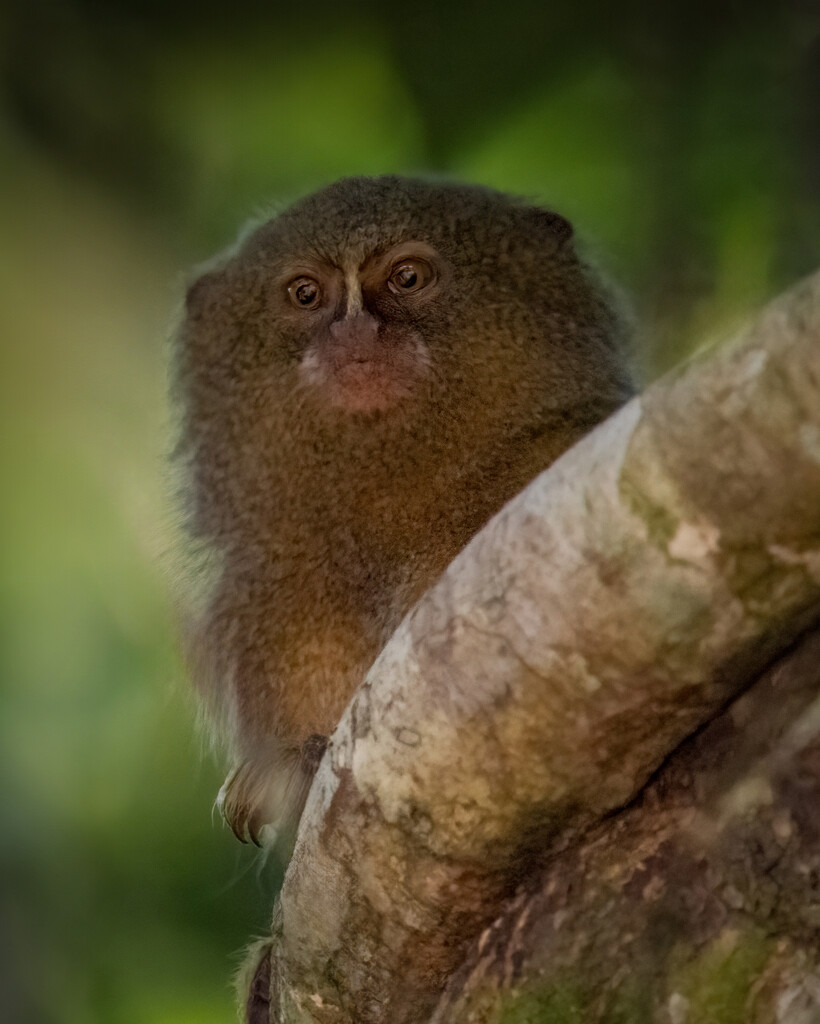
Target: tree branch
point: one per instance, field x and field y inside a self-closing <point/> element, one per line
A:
<point x="616" y="605"/>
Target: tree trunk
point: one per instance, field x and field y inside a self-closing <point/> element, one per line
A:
<point x="581" y="782"/>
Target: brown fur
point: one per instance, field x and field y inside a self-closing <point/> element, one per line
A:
<point x="339" y="459"/>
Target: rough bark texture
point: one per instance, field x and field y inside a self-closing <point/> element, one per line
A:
<point x="698" y="904"/>
<point x="478" y="804"/>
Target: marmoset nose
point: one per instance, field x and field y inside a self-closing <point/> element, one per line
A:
<point x="354" y="328"/>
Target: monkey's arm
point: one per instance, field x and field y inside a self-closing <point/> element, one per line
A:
<point x="277" y="663"/>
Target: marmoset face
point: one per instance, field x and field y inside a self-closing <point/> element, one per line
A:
<point x="360" y="323"/>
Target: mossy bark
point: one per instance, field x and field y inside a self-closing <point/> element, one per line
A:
<point x="697" y="904"/>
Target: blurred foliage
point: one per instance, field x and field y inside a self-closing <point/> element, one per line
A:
<point x="683" y="141"/>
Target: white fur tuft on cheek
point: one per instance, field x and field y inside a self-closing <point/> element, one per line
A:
<point x="312" y="371"/>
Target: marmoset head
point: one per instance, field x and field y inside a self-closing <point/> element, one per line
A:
<point x="390" y="298"/>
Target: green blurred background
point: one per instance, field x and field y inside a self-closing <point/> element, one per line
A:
<point x="682" y="139"/>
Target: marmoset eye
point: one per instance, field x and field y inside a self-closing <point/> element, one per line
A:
<point x="305" y="293"/>
<point x="409" y="276"/>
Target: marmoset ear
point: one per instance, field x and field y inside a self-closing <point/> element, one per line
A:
<point x="201" y="291"/>
<point x="552" y="225"/>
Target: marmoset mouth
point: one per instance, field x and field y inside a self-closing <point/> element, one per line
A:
<point x="368" y="385"/>
<point x="364" y="377"/>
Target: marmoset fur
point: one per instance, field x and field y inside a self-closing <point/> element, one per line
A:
<point x="364" y="381"/>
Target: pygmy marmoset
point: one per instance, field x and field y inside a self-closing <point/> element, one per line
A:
<point x="364" y="381"/>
